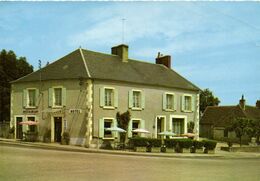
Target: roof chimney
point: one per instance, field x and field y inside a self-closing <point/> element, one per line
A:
<point x="257" y="104"/>
<point x="164" y="60"/>
<point x="242" y="103"/>
<point x="121" y="51"/>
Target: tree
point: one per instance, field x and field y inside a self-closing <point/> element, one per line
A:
<point x="207" y="99"/>
<point x="11" y="68"/>
<point x="240" y="127"/>
<point x="122" y="122"/>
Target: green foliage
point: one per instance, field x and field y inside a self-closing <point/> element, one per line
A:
<point x="11" y="68"/>
<point x="207" y="99"/>
<point x="244" y="126"/>
<point x="198" y="144"/>
<point x="47" y="136"/>
<point x="65" y="138"/>
<point x="31" y="136"/>
<point x="155" y="142"/>
<point x="170" y="143"/>
<point x="122" y="122"/>
<point x="11" y="130"/>
<point x="184" y="143"/>
<point x="191" y="126"/>
<point x="210" y="144"/>
<point x="138" y="142"/>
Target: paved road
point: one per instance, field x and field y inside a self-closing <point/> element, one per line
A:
<point x="17" y="163"/>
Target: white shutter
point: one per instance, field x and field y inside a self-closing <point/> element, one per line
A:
<point x="175" y="102"/>
<point x="101" y="96"/>
<point x="183" y="103"/>
<point x="63" y="93"/>
<point x="193" y="98"/>
<point x="115" y="98"/>
<point x="25" y="98"/>
<point x="50" y="97"/>
<point x="130" y="99"/>
<point x="130" y="127"/>
<point x="142" y="124"/>
<point x="37" y="98"/>
<point x="101" y="128"/>
<point x="143" y="99"/>
<point x="164" y="101"/>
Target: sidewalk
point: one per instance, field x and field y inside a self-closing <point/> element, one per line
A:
<point x="55" y="146"/>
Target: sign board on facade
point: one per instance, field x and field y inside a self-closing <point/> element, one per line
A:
<point x="30" y="111"/>
<point x="75" y="111"/>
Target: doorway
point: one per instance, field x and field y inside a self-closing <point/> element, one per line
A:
<point x="160" y="125"/>
<point x="19" y="128"/>
<point x="57" y="129"/>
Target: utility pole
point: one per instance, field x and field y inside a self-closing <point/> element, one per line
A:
<point x="123" y="29"/>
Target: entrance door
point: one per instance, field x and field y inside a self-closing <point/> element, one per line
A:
<point x="57" y="129"/>
<point x="160" y="126"/>
<point x="19" y="128"/>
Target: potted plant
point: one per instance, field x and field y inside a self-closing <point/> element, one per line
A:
<point x="210" y="146"/>
<point x="183" y="145"/>
<point x="139" y="144"/>
<point x="11" y="133"/>
<point x="65" y="138"/>
<point x="170" y="145"/>
<point x="198" y="146"/>
<point x="155" y="145"/>
<point x="47" y="136"/>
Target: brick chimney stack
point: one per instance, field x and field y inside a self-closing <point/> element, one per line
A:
<point x="164" y="60"/>
<point x="242" y="103"/>
<point x="257" y="104"/>
<point x="121" y="51"/>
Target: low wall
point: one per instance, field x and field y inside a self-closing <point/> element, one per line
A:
<point x="4" y="129"/>
<point x="242" y="149"/>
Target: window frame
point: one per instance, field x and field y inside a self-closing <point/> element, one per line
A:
<point x="174" y="106"/>
<point x="138" y="98"/>
<point x="184" y="103"/>
<point x="112" y="97"/>
<point x="28" y="97"/>
<point x="131" y="100"/>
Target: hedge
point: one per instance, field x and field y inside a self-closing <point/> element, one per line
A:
<point x="210" y="144"/>
<point x="198" y="144"/>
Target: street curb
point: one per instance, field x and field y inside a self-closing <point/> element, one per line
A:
<point x="118" y="153"/>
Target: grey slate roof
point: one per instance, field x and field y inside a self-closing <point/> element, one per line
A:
<point x="223" y="115"/>
<point x="109" y="67"/>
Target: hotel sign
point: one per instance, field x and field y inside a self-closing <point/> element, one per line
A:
<point x="75" y="111"/>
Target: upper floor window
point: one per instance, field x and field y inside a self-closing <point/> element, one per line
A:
<point x="57" y="96"/>
<point x="108" y="97"/>
<point x="169" y="102"/>
<point x="136" y="99"/>
<point x="187" y="103"/>
<point x="30" y="97"/>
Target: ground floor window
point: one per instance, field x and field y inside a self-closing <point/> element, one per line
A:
<point x="107" y="124"/>
<point x="178" y="126"/>
<point x="32" y="128"/>
<point x="135" y="125"/>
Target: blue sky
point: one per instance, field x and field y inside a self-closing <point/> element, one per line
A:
<point x="215" y="45"/>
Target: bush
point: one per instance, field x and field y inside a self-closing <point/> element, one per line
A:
<point x="198" y="144"/>
<point x="47" y="136"/>
<point x="31" y="136"/>
<point x="138" y="142"/>
<point x="65" y="138"/>
<point x="170" y="143"/>
<point x="184" y="143"/>
<point x="154" y="142"/>
<point x="11" y="130"/>
<point x="210" y="144"/>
